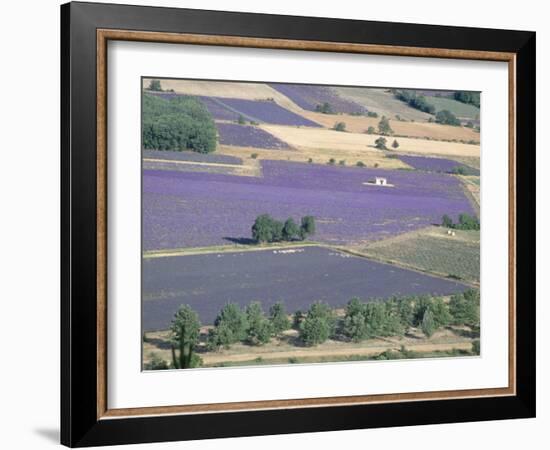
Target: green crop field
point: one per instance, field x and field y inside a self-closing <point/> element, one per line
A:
<point x="432" y="250"/>
<point x="459" y="109"/>
<point x="382" y="102"/>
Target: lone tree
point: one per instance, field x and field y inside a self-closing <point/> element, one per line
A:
<point x="339" y="126"/>
<point x="258" y="329"/>
<point x="184" y="335"/>
<point x="154" y="85"/>
<point x="380" y="143"/>
<point x="291" y="230"/>
<point x="318" y="325"/>
<point x="384" y="127"/>
<point x="307" y="227"/>
<point x="278" y="318"/>
<point x="241" y="120"/>
<point x="428" y="323"/>
<point x="395" y="144"/>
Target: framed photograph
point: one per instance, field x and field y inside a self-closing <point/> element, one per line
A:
<point x="276" y="224"/>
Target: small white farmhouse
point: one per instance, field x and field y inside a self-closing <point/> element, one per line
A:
<point x="379" y="181"/>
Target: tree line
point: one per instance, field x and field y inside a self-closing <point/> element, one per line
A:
<point x="268" y="229"/>
<point x="177" y="124"/>
<point x="361" y="321"/>
<point x="465" y="222"/>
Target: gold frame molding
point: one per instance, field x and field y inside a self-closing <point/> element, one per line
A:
<point x="105" y="35"/>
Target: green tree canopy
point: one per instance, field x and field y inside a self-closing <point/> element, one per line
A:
<point x="291" y="230"/>
<point x="258" y="329"/>
<point x="278" y="318"/>
<point x="384" y="127"/>
<point x="177" y="124"/>
<point x="446" y="117"/>
<point x="380" y="143"/>
<point x="318" y="324"/>
<point x="184" y="335"/>
<point x="154" y="85"/>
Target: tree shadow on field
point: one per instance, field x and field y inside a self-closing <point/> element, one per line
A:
<point x="159" y="343"/>
<point x="240" y="240"/>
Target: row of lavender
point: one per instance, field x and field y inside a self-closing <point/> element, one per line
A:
<point x="310" y="97"/>
<point x="194" y="209"/>
<point x="443" y="165"/>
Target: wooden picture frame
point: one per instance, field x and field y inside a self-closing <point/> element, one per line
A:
<point x="86" y="418"/>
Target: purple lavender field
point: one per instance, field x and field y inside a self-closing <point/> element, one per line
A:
<point x="183" y="209"/>
<point x="436" y="164"/>
<point x="191" y="157"/>
<point x="248" y="136"/>
<point x="309" y="96"/>
<point x="298" y="278"/>
<point x="265" y="111"/>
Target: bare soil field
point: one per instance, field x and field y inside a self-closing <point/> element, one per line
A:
<point x="322" y="139"/>
<point x="360" y="124"/>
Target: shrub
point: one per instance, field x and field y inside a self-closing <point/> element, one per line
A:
<point x="372" y="114"/>
<point x="258" y="330"/>
<point x="156" y="363"/>
<point x="339" y="126"/>
<point x="360" y="164"/>
<point x="331" y="161"/>
<point x="342" y="162"/>
<point x="310" y="160"/>
<point x="371" y="130"/>
<point x="241" y="120"/>
<point x="380" y="143"/>
<point x="395" y="144"/>
<point x="254" y="155"/>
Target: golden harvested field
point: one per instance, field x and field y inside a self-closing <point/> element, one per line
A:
<point x="369" y="156"/>
<point x="360" y="124"/>
<point x="228" y="89"/>
<point x="357" y="143"/>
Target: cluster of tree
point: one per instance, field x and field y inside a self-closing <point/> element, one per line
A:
<point x="362" y="320"/>
<point x="372" y="114"/>
<point x="471" y="98"/>
<point x="384" y="127"/>
<point x="446" y="117"/>
<point x="268" y="229"/>
<point x="250" y="325"/>
<point x="367" y="320"/>
<point x="180" y="123"/>
<point x="325" y="108"/>
<point x="416" y="101"/>
<point x="465" y="222"/>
